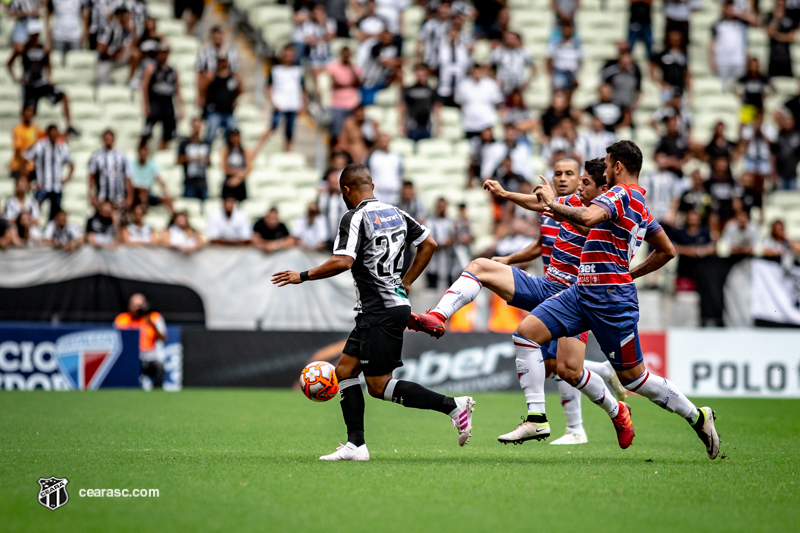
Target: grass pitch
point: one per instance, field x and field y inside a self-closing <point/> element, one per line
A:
<point x="245" y="460"/>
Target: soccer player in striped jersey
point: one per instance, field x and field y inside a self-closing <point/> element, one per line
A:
<point x="604" y="300"/>
<point x="524" y="291"/>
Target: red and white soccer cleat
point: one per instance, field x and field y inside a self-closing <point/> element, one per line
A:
<point x="348" y="452"/>
<point x="430" y="323"/>
<point x="462" y="419"/>
<point x="623" y="425"/>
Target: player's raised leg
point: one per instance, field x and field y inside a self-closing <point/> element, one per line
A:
<point x="352" y="404"/>
<point x="528" y="339"/>
<point x="496" y="277"/>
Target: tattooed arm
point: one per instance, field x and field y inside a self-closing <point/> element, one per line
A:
<point x="585" y="216"/>
<point x="663" y="251"/>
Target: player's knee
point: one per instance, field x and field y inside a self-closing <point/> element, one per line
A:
<point x="476" y="267"/>
<point x="569" y="373"/>
<point x="373" y="390"/>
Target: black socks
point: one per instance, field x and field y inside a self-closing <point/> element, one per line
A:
<point x="353" y="409"/>
<point x="416" y="396"/>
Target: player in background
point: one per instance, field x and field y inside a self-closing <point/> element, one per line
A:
<point x="524" y="291"/>
<point x="605" y="300"/>
<point x="370" y="241"/>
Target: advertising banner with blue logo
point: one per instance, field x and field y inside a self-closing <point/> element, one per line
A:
<point x="79" y="357"/>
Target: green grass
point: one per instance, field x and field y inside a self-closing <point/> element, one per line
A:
<point x="246" y="461"/>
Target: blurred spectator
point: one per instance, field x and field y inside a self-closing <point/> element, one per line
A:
<point x="229" y="224"/>
<point x="674" y="107"/>
<point x="193" y="11"/>
<point x="100" y="13"/>
<point x="488" y="18"/>
<point x="27" y="233"/>
<point x="754" y="87"/>
<point x="454" y="62"/>
<point x="609" y="113"/>
<point x="560" y="145"/>
<point x="219" y="100"/>
<point x="311" y="230"/>
<point x="411" y="203"/>
<point x="60" y="234"/>
<point x="792" y="105"/>
<point x="673" y="147"/>
<point x="339" y="159"/>
<point x="417" y="105"/>
<point x="297" y="38"/>
<point x="443" y="231"/>
<point x="517" y="228"/>
<point x="723" y="190"/>
<point x="755" y="140"/>
<point x="206" y="65"/>
<point x="181" y="236"/>
<point x="564" y="59"/>
<point x="640" y="25"/>
<point x="358" y="135"/>
<point x="48" y="156"/>
<point x="6" y="234"/>
<point x="144" y="176"/>
<point x="432" y="32"/>
<point x="368" y="27"/>
<point x="625" y="80"/>
<point x="693" y="243"/>
<point x="101" y="228"/>
<point x="147" y="47"/>
<point x="64" y="34"/>
<point x="677" y="14"/>
<point x="777" y="245"/>
<point x="22" y="202"/>
<point x="319" y="30"/>
<point x="237" y="163"/>
<point x="386" y="169"/>
<point x="516" y="113"/>
<point x="492" y="155"/>
<point x="670" y="68"/>
<point x="270" y="234"/>
<point x="513" y="65"/>
<point x="331" y="204"/>
<point x="35" y="80"/>
<point x="462" y="242"/>
<point x="137" y="233"/>
<point x="160" y="86"/>
<point x="195" y="155"/>
<point x="110" y="175"/>
<point x="479" y="96"/>
<point x="286" y="93"/>
<point x="139" y="14"/>
<point x="337" y="10"/>
<point x="152" y="335"/>
<point x="508" y="179"/>
<point x="114" y="47"/>
<point x="719" y="145"/>
<point x="592" y="143"/>
<point x="663" y="189"/>
<point x="345" y="95"/>
<point x="748" y="196"/>
<point x="382" y="67"/>
<point x="781" y="31"/>
<point x="786" y="153"/>
<point x="741" y="235"/>
<point x="23" y="12"/>
<point x="697" y="198"/>
<point x="23" y="136"/>
<point x="391" y="11"/>
<point x="727" y="52"/>
<point x="559" y="110"/>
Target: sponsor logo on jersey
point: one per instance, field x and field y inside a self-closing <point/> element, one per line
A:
<point x="386" y="218"/>
<point x="85" y="358"/>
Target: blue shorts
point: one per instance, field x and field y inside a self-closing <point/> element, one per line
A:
<point x="614" y="324"/>
<point x="530" y="292"/>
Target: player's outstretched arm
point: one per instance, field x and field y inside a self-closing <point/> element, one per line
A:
<point x="663" y="252"/>
<point x="585" y="216"/>
<point x="531" y="252"/>
<point x="332" y="267"/>
<point x="424" y="253"/>
<point x="530" y="202"/>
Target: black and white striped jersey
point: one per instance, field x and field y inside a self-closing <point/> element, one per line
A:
<point x="110" y="169"/>
<point x="374" y="235"/>
<point x="49" y="160"/>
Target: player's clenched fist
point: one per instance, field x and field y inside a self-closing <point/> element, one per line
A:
<point x="494" y="187"/>
<point x="286" y="277"/>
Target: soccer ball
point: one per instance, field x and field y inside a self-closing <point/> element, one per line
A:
<point x="318" y="381"/>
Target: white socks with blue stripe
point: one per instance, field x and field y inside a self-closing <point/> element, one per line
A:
<point x="531" y="372"/>
<point x="463" y="291"/>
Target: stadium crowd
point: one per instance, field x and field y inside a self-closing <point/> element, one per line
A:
<point x="710" y="196"/>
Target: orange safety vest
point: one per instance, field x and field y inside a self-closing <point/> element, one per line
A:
<point x="147" y="333"/>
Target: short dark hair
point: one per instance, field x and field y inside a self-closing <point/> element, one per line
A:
<point x="355" y="176"/>
<point x="51" y="127"/>
<point x="407" y="183"/>
<point x="627" y="153"/>
<point x="596" y="168"/>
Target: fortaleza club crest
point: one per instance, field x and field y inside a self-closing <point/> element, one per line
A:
<point x="53" y="492"/>
<point x="85" y="358"/>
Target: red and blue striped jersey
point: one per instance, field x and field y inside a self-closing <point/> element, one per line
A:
<point x="566" y="256"/>
<point x="549" y="229"/>
<point x="604" y="272"/>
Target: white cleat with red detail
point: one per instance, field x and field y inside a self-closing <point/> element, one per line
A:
<point x="348" y="452"/>
<point x="462" y="418"/>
